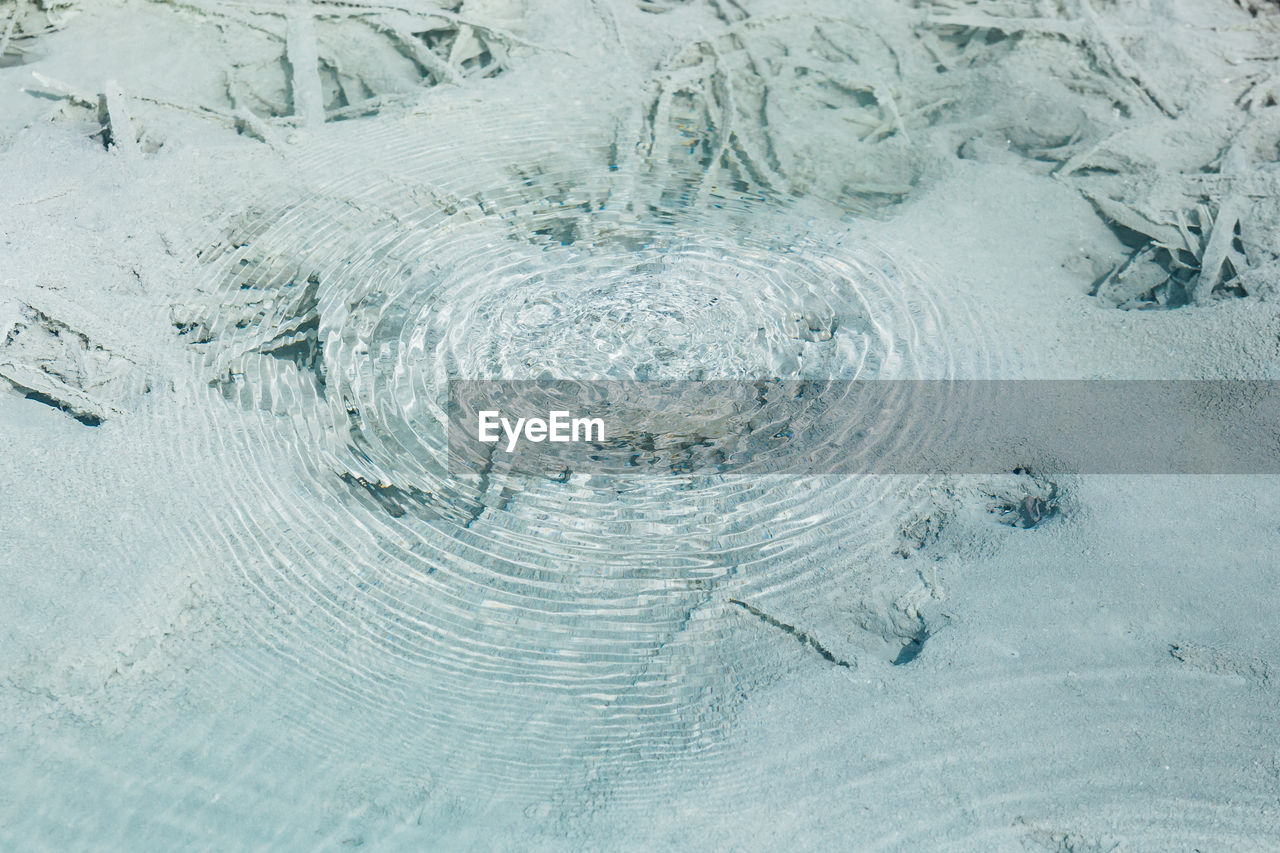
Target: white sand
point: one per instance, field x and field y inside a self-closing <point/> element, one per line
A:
<point x="1104" y="681"/>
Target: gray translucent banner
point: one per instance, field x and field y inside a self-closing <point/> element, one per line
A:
<point x="811" y="428"/>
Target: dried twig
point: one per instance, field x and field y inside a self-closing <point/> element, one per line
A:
<point x="52" y="88"/>
<point x="1263" y="91"/>
<point x="1081" y="159"/>
<point x="1071" y="30"/>
<point x="249" y="124"/>
<point x="250" y="19"/>
<point x="370" y="106"/>
<point x="19" y="9"/>
<point x="415" y="49"/>
<point x="1217" y="250"/>
<point x="113" y="110"/>
<point x="57" y="89"/>
<point x="1123" y="62"/>
<point x="300" y="49"/>
<point x="1087" y="30"/>
<point x="358" y="7"/>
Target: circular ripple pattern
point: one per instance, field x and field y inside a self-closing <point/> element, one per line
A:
<point x="511" y="629"/>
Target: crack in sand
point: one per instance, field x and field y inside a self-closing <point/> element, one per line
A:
<point x="802" y="637"/>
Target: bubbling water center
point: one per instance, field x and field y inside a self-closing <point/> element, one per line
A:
<point x="605" y="603"/>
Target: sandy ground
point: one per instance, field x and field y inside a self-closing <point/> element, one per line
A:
<point x="1081" y="189"/>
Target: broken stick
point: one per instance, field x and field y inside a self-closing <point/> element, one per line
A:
<point x="304" y="62"/>
<point x="113" y="111"/>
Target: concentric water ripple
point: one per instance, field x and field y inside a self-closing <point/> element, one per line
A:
<point x="508" y="627"/>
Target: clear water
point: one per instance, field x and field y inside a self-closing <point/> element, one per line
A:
<point x="345" y="644"/>
<point x="511" y="631"/>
